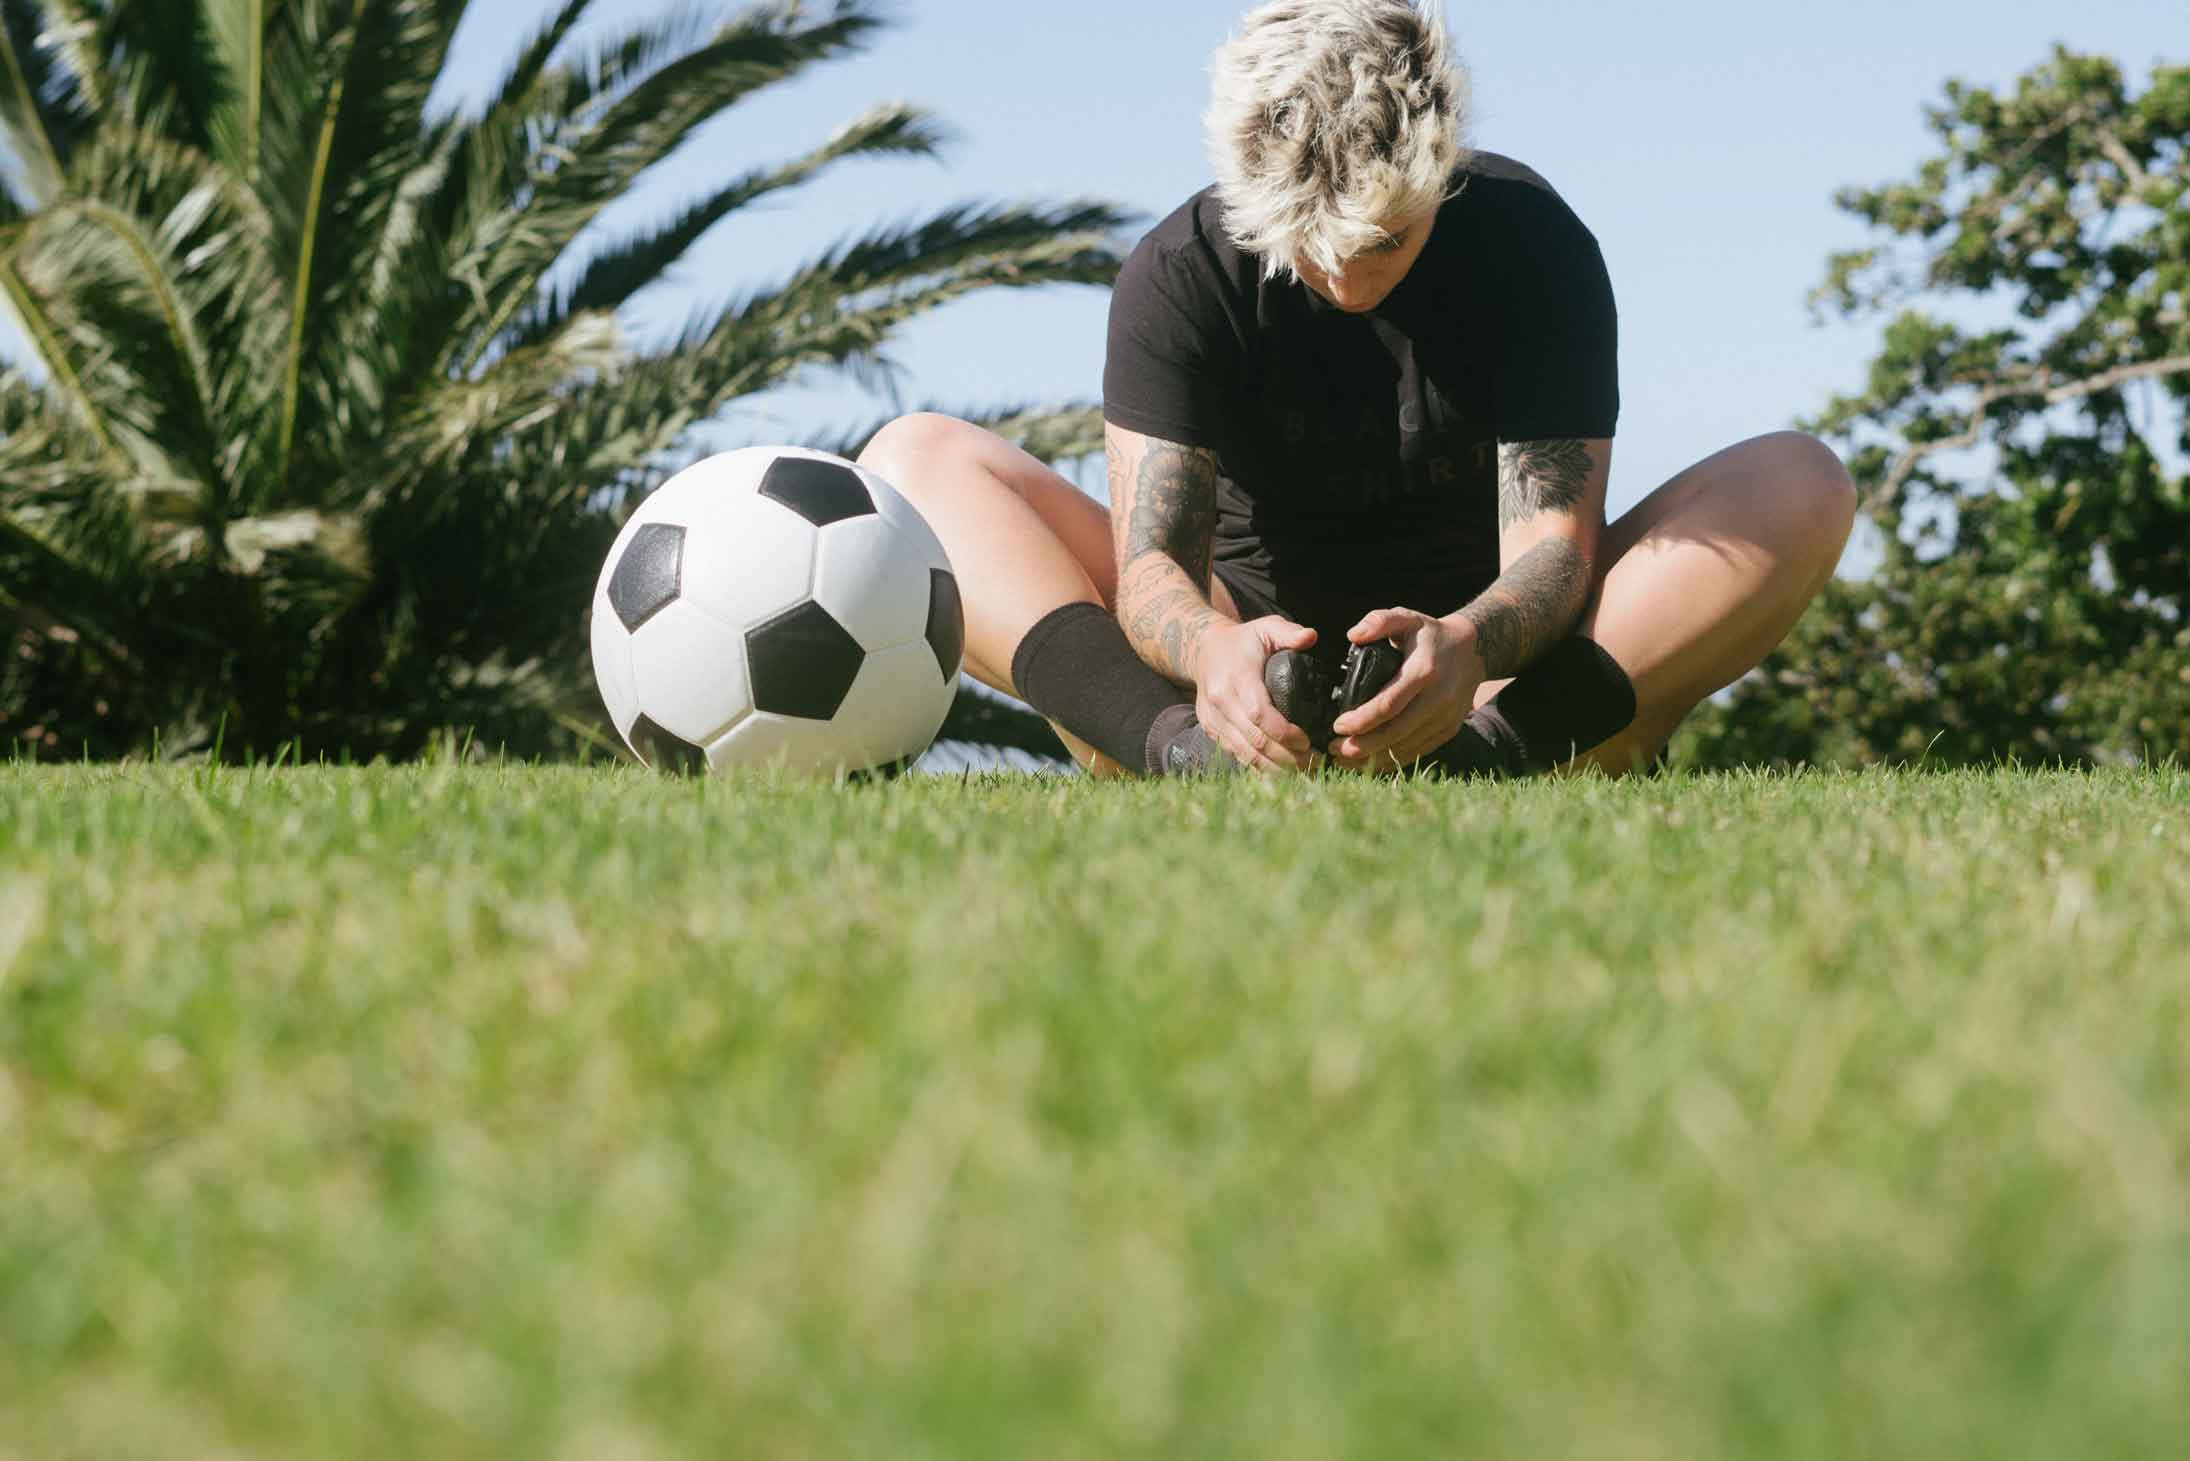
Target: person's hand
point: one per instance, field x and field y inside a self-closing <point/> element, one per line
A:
<point x="1232" y="702"/>
<point x="1424" y="705"/>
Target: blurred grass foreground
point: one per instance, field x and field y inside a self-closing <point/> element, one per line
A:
<point x="475" y="1111"/>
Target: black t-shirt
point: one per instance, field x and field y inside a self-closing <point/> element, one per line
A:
<point x="1360" y="452"/>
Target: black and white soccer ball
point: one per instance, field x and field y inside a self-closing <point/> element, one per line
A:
<point x="777" y="606"/>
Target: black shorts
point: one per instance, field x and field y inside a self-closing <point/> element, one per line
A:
<point x="1252" y="605"/>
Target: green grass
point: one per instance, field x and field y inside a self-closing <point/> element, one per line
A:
<point x="577" y="1114"/>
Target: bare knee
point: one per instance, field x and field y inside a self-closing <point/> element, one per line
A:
<point x="1810" y="480"/>
<point x="915" y="451"/>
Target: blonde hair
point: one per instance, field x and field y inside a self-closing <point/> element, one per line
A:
<point x="1328" y="120"/>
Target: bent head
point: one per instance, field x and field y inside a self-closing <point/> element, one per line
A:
<point x="1362" y="282"/>
<point x="1336" y="128"/>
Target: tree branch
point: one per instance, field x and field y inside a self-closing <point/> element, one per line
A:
<point x="2038" y="383"/>
<point x="2132" y="170"/>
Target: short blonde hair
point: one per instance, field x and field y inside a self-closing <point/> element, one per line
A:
<point x="1329" y="119"/>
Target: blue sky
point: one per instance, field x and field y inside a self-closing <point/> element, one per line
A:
<point x="1702" y="142"/>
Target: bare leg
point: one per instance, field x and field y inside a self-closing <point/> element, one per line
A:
<point x="1703" y="578"/>
<point x="1023" y="541"/>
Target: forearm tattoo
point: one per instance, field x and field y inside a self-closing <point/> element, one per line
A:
<point x="1533" y="605"/>
<point x="1541" y="476"/>
<point x="1166" y="507"/>
<point x="1174" y="508"/>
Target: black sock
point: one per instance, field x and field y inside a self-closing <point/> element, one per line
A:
<point x="1077" y="667"/>
<point x="1569" y="702"/>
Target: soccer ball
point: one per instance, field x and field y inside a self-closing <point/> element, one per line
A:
<point x="776" y="606"/>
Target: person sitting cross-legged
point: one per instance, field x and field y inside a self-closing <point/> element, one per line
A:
<point x="1363" y="390"/>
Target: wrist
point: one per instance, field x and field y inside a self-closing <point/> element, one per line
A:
<point x="1466" y="644"/>
<point x="1199" y="632"/>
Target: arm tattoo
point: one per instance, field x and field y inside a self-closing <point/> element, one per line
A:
<point x="1166" y="509"/>
<point x="1540" y="476"/>
<point x="1175" y="508"/>
<point x="1531" y="607"/>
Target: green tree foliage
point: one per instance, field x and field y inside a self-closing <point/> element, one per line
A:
<point x="2019" y="443"/>
<point x="328" y="408"/>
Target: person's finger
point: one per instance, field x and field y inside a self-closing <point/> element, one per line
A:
<point x="1260" y="712"/>
<point x="1385" y="624"/>
<point x="1281" y="739"/>
<point x="1415" y="731"/>
<point x="1248" y="702"/>
<point x="1281" y="633"/>
<point x="1248" y="743"/>
<point x="1238" y="744"/>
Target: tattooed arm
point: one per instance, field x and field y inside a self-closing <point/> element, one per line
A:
<point x="1163" y="520"/>
<point x="1163" y="524"/>
<point x="1550" y="515"/>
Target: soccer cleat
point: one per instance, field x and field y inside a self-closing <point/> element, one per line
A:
<point x="1196" y="753"/>
<point x="1311" y="697"/>
<point x="1178" y="746"/>
<point x="1301" y="690"/>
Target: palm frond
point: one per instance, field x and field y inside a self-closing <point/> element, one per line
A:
<point x="69" y="543"/>
<point x="104" y="288"/>
<point x="613" y="125"/>
<point x="237" y="31"/>
<point x="1071" y="243"/>
<point x="841" y="308"/>
<point x="47" y="344"/>
<point x="164" y="62"/>
<point x="618" y="272"/>
<point x="360" y="97"/>
<point x="213" y="237"/>
<point x="34" y="126"/>
<point x="512" y="95"/>
<point x="521" y="393"/>
<point x="72" y="33"/>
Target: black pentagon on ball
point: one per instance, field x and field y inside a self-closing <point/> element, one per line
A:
<point x="803" y="663"/>
<point x="820" y="492"/>
<point x="649" y="575"/>
<point x="946" y="622"/>
<point x="665" y="752"/>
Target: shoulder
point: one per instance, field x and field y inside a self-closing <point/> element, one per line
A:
<point x="1502" y="195"/>
<point x="1496" y="167"/>
<point x="1516" y="219"/>
<point x="1187" y="258"/>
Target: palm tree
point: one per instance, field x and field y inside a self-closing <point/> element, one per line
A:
<point x="315" y="445"/>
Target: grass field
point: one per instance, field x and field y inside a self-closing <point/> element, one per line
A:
<point x="485" y="1112"/>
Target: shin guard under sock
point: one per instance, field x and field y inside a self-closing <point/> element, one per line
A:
<point x="1569" y="702"/>
<point x="1076" y="667"/>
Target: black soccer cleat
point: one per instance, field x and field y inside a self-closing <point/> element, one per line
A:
<point x="1311" y="697"/>
<point x="1302" y="690"/>
<point x="1196" y="753"/>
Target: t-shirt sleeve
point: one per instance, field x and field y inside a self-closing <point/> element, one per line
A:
<point x="1560" y="374"/>
<point x="1166" y="368"/>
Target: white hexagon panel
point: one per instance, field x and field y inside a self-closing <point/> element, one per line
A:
<point x="748" y="558"/>
<point x="689" y="670"/>
<point x="897" y="705"/>
<point x="870" y="584"/>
